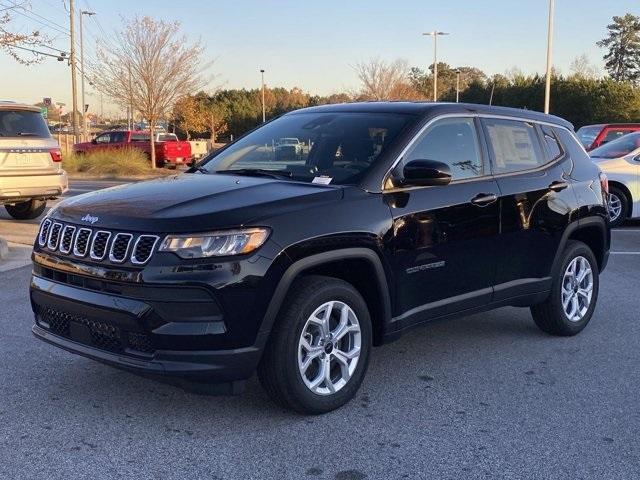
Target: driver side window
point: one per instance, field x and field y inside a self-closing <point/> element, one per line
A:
<point x="453" y="141"/>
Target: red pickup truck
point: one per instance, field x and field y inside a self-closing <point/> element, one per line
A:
<point x="593" y="136"/>
<point x="170" y="151"/>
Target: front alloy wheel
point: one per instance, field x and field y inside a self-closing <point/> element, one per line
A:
<point x="329" y="348"/>
<point x="318" y="350"/>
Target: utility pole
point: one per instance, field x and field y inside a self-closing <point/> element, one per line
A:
<point x="82" y="70"/>
<point x="72" y="59"/>
<point x="435" y="34"/>
<point x="457" y="86"/>
<point x="547" y="84"/>
<point x="264" y="115"/>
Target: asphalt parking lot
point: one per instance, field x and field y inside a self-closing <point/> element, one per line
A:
<point x="485" y="396"/>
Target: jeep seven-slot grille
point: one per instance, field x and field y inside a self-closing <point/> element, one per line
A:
<point x="120" y="247"/>
<point x="143" y="248"/>
<point x="54" y="236"/>
<point x="97" y="244"/>
<point x="44" y="232"/>
<point x="81" y="244"/>
<point x="67" y="238"/>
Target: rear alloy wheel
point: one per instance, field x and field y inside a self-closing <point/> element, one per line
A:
<point x="574" y="293"/>
<point x="318" y="350"/>
<point x="618" y="206"/>
<point x="27" y="210"/>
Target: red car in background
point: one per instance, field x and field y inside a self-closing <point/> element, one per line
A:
<point x="170" y="151"/>
<point x="592" y="136"/>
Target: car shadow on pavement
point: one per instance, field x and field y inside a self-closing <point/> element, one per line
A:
<point x="86" y="388"/>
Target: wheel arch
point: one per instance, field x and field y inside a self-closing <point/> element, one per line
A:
<point x="359" y="266"/>
<point x="594" y="232"/>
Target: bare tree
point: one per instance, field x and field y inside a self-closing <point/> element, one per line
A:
<point x="382" y="80"/>
<point x="581" y="67"/>
<point x="150" y="66"/>
<point x="14" y="42"/>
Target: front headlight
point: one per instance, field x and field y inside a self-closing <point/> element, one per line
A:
<point x="215" y="244"/>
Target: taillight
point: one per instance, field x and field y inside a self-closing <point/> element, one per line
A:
<point x="56" y="154"/>
<point x="604" y="182"/>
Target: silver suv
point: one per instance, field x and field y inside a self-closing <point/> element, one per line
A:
<point x="30" y="162"/>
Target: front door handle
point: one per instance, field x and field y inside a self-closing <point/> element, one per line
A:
<point x="558" y="185"/>
<point x="484" y="199"/>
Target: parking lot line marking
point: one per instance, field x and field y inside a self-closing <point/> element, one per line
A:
<point x="624" y="253"/>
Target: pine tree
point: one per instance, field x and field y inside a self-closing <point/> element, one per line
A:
<point x="623" y="44"/>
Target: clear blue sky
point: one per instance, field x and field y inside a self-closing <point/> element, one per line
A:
<point x="313" y="44"/>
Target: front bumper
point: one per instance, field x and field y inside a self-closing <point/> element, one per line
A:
<point x="19" y="188"/>
<point x="142" y="335"/>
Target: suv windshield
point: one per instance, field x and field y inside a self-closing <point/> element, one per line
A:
<point x="588" y="134"/>
<point x="336" y="148"/>
<point x="23" y="123"/>
<point x="618" y="148"/>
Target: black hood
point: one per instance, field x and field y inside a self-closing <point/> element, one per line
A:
<point x="192" y="203"/>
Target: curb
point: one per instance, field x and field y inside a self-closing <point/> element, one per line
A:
<point x="4" y="248"/>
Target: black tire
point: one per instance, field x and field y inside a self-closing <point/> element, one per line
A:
<point x="27" y="210"/>
<point x="550" y="316"/>
<point x="278" y="370"/>
<point x="616" y="192"/>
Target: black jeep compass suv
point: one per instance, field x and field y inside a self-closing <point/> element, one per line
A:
<point x="295" y="263"/>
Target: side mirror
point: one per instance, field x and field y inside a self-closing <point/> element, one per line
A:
<point x="94" y="141"/>
<point x="425" y="173"/>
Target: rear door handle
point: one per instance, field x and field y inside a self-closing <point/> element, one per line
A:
<point x="558" y="185"/>
<point x="484" y="199"/>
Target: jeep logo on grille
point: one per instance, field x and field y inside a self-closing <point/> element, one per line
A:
<point x="90" y="219"/>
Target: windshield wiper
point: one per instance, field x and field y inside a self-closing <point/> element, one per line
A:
<point x="27" y="134"/>
<point x="200" y="168"/>
<point x="262" y="172"/>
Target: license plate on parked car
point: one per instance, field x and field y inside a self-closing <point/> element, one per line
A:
<point x="22" y="159"/>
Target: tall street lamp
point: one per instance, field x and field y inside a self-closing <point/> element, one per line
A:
<point x="547" y="85"/>
<point x="264" y="113"/>
<point x="435" y="35"/>
<point x="457" y="86"/>
<point x="82" y="74"/>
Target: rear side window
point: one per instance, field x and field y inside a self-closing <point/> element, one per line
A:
<point x="514" y="145"/>
<point x="452" y="141"/>
<point x="571" y="144"/>
<point x="23" y="123"/>
<point x="554" y="150"/>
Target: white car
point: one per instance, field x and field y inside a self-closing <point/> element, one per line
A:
<point x="30" y="162"/>
<point x="620" y="161"/>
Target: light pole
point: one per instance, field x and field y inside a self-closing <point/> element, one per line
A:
<point x="264" y="112"/>
<point x="84" y="113"/>
<point x="435" y="35"/>
<point x="72" y="60"/>
<point x="547" y="84"/>
<point x="457" y="86"/>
